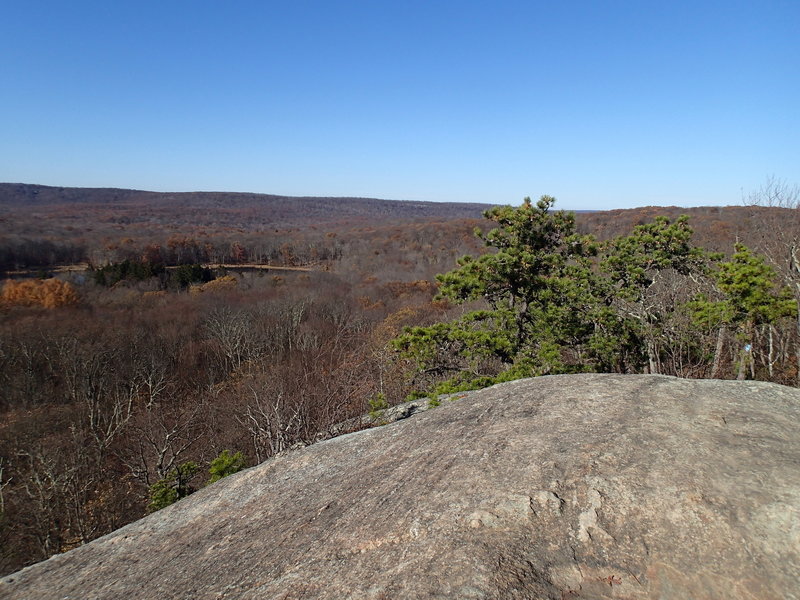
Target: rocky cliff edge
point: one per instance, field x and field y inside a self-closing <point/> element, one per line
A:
<point x="563" y="487"/>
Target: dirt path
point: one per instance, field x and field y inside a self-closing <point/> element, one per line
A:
<point x="83" y="267"/>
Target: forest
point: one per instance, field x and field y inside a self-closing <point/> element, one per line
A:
<point x="145" y="353"/>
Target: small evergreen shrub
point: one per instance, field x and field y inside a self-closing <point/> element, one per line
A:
<point x="377" y="405"/>
<point x="173" y="487"/>
<point x="225" y="464"/>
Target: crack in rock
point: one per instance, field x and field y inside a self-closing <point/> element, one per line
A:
<point x="587" y="520"/>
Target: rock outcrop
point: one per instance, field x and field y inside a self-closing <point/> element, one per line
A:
<point x="564" y="487"/>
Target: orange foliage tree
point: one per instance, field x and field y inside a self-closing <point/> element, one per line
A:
<point x="49" y="293"/>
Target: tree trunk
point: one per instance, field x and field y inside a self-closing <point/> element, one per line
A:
<point x="797" y="345"/>
<point x="651" y="356"/>
<point x="718" y="352"/>
<point x="771" y="356"/>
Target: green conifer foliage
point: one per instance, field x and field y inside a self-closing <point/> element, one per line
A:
<point x="640" y="268"/>
<point x="173" y="487"/>
<point x="752" y="299"/>
<point x="544" y="299"/>
<point x="225" y="464"/>
<point x="540" y="300"/>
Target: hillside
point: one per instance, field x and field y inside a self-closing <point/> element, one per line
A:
<point x="41" y="227"/>
<point x="715" y="227"/>
<point x="226" y="209"/>
<point x="561" y="487"/>
<point x="85" y="213"/>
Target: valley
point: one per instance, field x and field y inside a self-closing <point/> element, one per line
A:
<point x="143" y="334"/>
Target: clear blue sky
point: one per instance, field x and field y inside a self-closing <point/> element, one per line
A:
<point x="602" y="104"/>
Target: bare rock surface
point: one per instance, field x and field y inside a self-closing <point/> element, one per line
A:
<point x="563" y="487"/>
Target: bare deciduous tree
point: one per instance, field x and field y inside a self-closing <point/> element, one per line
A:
<point x="777" y="221"/>
<point x="160" y="436"/>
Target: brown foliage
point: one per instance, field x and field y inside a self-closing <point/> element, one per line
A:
<point x="96" y="407"/>
<point x="48" y="293"/>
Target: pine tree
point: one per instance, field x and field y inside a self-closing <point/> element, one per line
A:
<point x="751" y="299"/>
<point x="540" y="301"/>
<point x="639" y="266"/>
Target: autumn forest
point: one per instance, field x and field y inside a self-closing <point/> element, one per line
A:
<point x="150" y="343"/>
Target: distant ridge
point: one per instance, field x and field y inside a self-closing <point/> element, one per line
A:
<point x="17" y="193"/>
<point x="716" y="228"/>
<point x="275" y="210"/>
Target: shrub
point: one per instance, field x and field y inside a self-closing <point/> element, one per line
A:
<point x="225" y="464"/>
<point x="173" y="487"/>
<point x="377" y="405"/>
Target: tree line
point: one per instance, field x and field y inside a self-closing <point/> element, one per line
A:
<point x="546" y="299"/>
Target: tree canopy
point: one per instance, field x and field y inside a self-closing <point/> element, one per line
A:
<point x="545" y="299"/>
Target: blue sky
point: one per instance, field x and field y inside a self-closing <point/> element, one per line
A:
<point x="602" y="104"/>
